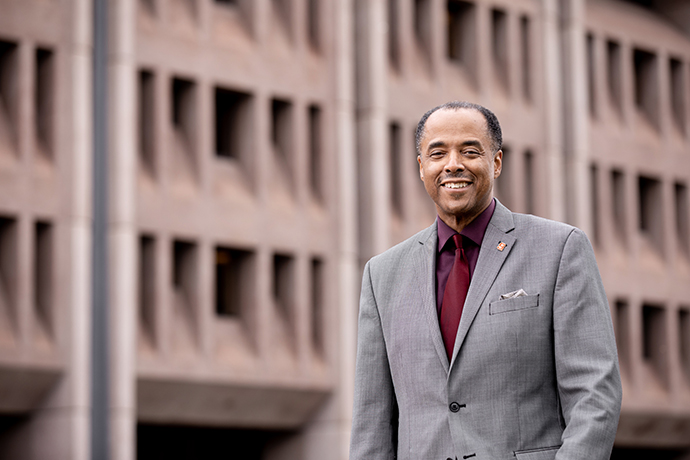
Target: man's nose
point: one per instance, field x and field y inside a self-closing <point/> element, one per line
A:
<point x="454" y="162"/>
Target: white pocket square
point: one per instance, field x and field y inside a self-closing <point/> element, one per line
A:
<point x="514" y="294"/>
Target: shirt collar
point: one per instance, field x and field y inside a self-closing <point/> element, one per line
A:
<point x="474" y="231"/>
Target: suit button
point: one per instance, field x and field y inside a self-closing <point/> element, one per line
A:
<point x="454" y="407"/>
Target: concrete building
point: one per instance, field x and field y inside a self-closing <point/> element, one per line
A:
<point x="259" y="152"/>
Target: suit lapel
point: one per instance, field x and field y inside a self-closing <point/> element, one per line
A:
<point x="425" y="263"/>
<point x="489" y="263"/>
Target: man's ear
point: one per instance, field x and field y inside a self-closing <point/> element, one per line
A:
<point x="498" y="163"/>
<point x="421" y="170"/>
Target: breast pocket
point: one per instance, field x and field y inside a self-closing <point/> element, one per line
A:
<point x="547" y="453"/>
<point x="514" y="304"/>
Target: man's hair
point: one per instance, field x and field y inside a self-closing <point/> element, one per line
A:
<point x="492" y="125"/>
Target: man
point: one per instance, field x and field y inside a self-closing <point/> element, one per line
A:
<point x="499" y="348"/>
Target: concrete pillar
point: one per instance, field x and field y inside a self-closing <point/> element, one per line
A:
<point x="553" y="103"/>
<point x="122" y="231"/>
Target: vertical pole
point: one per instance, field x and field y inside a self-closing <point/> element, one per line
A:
<point x="100" y="400"/>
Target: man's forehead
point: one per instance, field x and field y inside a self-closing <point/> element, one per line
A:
<point x="448" y="122"/>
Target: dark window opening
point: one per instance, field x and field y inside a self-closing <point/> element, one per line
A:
<point x="525" y="45"/>
<point x="43" y="274"/>
<point x="318" y="301"/>
<point x="8" y="96"/>
<point x="461" y="33"/>
<point x="396" y="169"/>
<point x="44" y="100"/>
<point x="146" y="122"/>
<point x="233" y="269"/>
<point x="233" y="122"/>
<point x="499" y="45"/>
<point x="147" y="286"/>
<point x="613" y="67"/>
<point x="316" y="151"/>
<point x="646" y="83"/>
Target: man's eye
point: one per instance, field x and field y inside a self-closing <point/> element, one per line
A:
<point x="436" y="154"/>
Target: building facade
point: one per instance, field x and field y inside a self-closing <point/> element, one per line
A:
<point x="260" y="151"/>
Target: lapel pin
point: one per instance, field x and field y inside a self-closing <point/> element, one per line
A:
<point x="501" y="246"/>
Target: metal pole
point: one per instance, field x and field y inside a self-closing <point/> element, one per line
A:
<point x="100" y="395"/>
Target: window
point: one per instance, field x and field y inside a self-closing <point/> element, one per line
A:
<point x="43" y="274"/>
<point x="530" y="205"/>
<point x="8" y="97"/>
<point x="281" y="134"/>
<point x="525" y="45"/>
<point x="461" y="33"/>
<point x="283" y="11"/>
<point x="315" y="151"/>
<point x="504" y="183"/>
<point x="147" y="287"/>
<point x="646" y="84"/>
<point x="318" y="301"/>
<point x="44" y="100"/>
<point x="185" y="271"/>
<point x="395" y="169"/>
<point x="618" y="203"/>
<point x="146" y="122"/>
<point x="654" y="335"/>
<point x="313" y="22"/>
<point x="684" y="339"/>
<point x="650" y="221"/>
<point x="613" y="74"/>
<point x="591" y="76"/>
<point x="681" y="211"/>
<point x="422" y="23"/>
<point x="184" y="124"/>
<point x="677" y="93"/>
<point x="283" y="287"/>
<point x="499" y="46"/>
<point x="594" y="203"/>
<point x="233" y="289"/>
<point x="8" y="275"/>
<point x="393" y="34"/>
<point x="233" y="123"/>
<point x="623" y="333"/>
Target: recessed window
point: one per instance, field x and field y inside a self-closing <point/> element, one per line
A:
<point x="318" y="301"/>
<point x="313" y="23"/>
<point x="677" y="93"/>
<point x="146" y="122"/>
<point x="461" y="33"/>
<point x="623" y="333"/>
<point x="525" y="46"/>
<point x="650" y="209"/>
<point x="504" y="183"/>
<point x="184" y="122"/>
<point x="594" y="203"/>
<point x="8" y="96"/>
<point x="613" y="74"/>
<point x="233" y="286"/>
<point x="44" y="94"/>
<point x="43" y="274"/>
<point x="147" y="287"/>
<point x="422" y="22"/>
<point x="8" y="275"/>
<point x="530" y="186"/>
<point x="654" y="334"/>
<point x="684" y="339"/>
<point x="591" y="76"/>
<point x="316" y="151"/>
<point x="185" y="272"/>
<point x="393" y="34"/>
<point x="281" y="134"/>
<point x="283" y="11"/>
<point x="499" y="46"/>
<point x="681" y="215"/>
<point x="283" y="286"/>
<point x="233" y="123"/>
<point x="618" y="203"/>
<point x="646" y="84"/>
<point x="395" y="169"/>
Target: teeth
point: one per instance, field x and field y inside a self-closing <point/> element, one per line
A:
<point x="456" y="184"/>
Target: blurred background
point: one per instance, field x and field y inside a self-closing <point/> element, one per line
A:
<point x="189" y="190"/>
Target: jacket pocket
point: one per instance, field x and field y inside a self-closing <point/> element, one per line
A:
<point x="516" y="303"/>
<point x="545" y="453"/>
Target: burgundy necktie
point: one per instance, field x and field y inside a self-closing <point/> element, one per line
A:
<point x="454" y="296"/>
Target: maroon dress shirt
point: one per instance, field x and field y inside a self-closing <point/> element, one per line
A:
<point x="473" y="235"/>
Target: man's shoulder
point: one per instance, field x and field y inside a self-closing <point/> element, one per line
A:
<point x="404" y="248"/>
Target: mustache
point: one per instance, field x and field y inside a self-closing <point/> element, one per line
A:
<point x="456" y="176"/>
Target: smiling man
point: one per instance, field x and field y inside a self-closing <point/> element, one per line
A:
<point x="487" y="335"/>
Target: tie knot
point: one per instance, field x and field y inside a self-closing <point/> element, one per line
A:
<point x="457" y="239"/>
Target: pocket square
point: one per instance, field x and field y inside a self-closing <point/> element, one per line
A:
<point x="514" y="294"/>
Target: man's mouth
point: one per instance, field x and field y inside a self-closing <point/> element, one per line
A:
<point x="455" y="185"/>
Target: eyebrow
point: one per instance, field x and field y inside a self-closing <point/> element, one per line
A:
<point x="472" y="143"/>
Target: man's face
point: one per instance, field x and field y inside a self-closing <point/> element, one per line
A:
<point x="457" y="164"/>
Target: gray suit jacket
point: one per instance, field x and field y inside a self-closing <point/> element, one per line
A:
<point x="533" y="377"/>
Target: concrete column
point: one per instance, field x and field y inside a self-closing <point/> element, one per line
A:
<point x="576" y="114"/>
<point x="553" y="119"/>
<point x="348" y="266"/>
<point x="372" y="126"/>
<point x="122" y="229"/>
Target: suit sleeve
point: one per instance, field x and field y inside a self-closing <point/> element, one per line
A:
<point x="586" y="360"/>
<point x="374" y="418"/>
